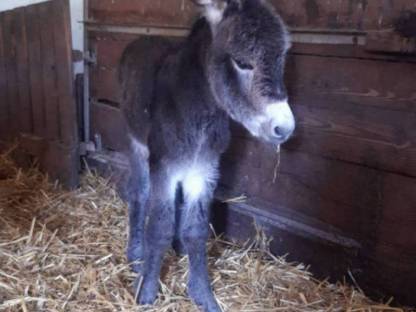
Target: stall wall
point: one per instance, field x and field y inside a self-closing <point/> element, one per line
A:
<point x="344" y="197"/>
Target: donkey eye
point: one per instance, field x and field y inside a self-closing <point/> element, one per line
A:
<point x="241" y="65"/>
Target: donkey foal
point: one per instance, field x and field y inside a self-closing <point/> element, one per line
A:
<point x="177" y="101"/>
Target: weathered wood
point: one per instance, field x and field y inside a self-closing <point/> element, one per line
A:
<point x="49" y="75"/>
<point x="4" y="108"/>
<point x="130" y="12"/>
<point x="375" y="14"/>
<point x="390" y="42"/>
<point x="37" y="105"/>
<point x="63" y="58"/>
<point x="60" y="161"/>
<point x="334" y="192"/>
<point x="24" y="105"/>
<point x="79" y="99"/>
<point x="108" y="122"/>
<point x="9" y="29"/>
<point x="368" y="80"/>
<point x="36" y="77"/>
<point x="366" y="204"/>
<point x="367" y="136"/>
<point x="347" y="51"/>
<point x="362" y="15"/>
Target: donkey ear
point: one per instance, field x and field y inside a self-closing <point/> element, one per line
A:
<point x="214" y="10"/>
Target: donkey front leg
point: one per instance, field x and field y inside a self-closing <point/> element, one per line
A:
<point x="194" y="235"/>
<point x="158" y="238"/>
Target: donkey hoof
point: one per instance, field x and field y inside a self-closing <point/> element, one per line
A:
<point x="146" y="290"/>
<point x="205" y="301"/>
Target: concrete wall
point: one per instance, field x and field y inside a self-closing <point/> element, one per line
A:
<point x="77" y="16"/>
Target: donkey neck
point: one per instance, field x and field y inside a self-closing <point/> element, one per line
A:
<point x="192" y="69"/>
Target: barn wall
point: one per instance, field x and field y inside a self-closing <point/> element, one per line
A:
<point x="345" y="193"/>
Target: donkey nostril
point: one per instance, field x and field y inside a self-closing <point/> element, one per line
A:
<point x="278" y="131"/>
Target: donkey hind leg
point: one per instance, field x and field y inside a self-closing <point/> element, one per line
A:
<point x="194" y="234"/>
<point x="138" y="193"/>
<point x="158" y="238"/>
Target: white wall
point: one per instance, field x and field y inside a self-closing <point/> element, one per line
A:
<point x="77" y="16"/>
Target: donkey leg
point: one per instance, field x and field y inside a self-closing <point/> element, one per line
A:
<point x="158" y="238"/>
<point x="194" y="235"/>
<point x="137" y="201"/>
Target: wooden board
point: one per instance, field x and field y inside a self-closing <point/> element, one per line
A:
<point x="4" y="107"/>
<point x="319" y="14"/>
<point x="49" y="76"/>
<point x="9" y="23"/>
<point x="63" y="55"/>
<point x="36" y="77"/>
<point x="24" y="104"/>
<point x="36" y="80"/>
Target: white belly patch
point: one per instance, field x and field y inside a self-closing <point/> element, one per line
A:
<point x="197" y="180"/>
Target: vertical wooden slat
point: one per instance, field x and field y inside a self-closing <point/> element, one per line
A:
<point x="4" y="110"/>
<point x="49" y="66"/>
<point x="22" y="66"/>
<point x="63" y="56"/>
<point x="35" y="70"/>
<point x="9" y="30"/>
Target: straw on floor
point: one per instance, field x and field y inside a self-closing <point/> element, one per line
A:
<point x="64" y="251"/>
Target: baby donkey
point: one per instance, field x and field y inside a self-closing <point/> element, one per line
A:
<point x="177" y="101"/>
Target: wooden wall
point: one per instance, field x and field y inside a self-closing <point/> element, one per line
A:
<point x="345" y="196"/>
<point x="37" y="106"/>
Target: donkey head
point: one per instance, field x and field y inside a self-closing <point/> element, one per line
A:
<point x="246" y="64"/>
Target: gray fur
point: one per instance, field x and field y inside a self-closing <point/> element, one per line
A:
<point x="177" y="100"/>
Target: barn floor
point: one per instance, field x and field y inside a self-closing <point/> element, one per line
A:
<point x="63" y="251"/>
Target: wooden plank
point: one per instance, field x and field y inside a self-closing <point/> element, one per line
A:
<point x="344" y="195"/>
<point x="371" y="81"/>
<point x="63" y="56"/>
<point x="22" y="66"/>
<point x="104" y="85"/>
<point x="107" y="121"/>
<point x="79" y="99"/>
<point x="49" y="71"/>
<point x="361" y="15"/>
<point x="390" y="42"/>
<point x="35" y="69"/>
<point x="129" y="12"/>
<point x="61" y="162"/>
<point x="4" y="108"/>
<point x="363" y="135"/>
<point x="375" y="14"/>
<point x="9" y="31"/>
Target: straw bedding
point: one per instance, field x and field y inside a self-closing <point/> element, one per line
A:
<point x="64" y="251"/>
